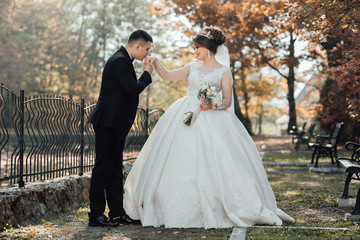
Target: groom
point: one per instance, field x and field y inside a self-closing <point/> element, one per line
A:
<point x="112" y="119"/>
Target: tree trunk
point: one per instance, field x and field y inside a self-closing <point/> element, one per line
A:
<point x="245" y="92"/>
<point x="239" y="114"/>
<point x="291" y="99"/>
<point x="260" y="118"/>
<point x="104" y="31"/>
<point x="291" y="83"/>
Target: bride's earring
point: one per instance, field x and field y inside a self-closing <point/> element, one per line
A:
<point x="209" y="56"/>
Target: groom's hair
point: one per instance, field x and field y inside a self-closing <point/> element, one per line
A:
<point x="139" y="35"/>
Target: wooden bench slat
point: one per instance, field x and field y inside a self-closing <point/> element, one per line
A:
<point x="349" y="165"/>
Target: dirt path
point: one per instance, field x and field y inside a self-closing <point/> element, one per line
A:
<point x="273" y="143"/>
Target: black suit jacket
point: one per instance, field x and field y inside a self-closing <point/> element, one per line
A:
<point x="119" y="93"/>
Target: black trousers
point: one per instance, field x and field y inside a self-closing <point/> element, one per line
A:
<point x="107" y="175"/>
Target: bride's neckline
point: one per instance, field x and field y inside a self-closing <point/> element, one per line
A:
<point x="211" y="68"/>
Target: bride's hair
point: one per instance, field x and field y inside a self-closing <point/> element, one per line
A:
<point x="210" y="38"/>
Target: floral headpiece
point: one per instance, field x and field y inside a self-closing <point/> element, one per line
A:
<point x="208" y="35"/>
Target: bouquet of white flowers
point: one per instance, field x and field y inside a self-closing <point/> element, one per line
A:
<point x="210" y="96"/>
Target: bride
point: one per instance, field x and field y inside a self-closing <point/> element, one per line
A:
<point x="208" y="174"/>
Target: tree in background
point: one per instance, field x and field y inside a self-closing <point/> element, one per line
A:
<point x="164" y="93"/>
<point x="335" y="26"/>
<point x="59" y="47"/>
<point x="263" y="90"/>
<point x="15" y="59"/>
<point x="258" y="35"/>
<point x="49" y="58"/>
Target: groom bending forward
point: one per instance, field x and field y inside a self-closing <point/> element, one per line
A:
<point x="112" y="119"/>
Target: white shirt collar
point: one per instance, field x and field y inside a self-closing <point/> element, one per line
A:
<point x="129" y="54"/>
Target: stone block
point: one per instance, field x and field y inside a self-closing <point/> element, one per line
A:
<point x="38" y="200"/>
<point x="321" y="169"/>
<point x="346" y="203"/>
<point x="350" y="217"/>
<point x="238" y="233"/>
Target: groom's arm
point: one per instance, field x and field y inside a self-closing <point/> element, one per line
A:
<point x="144" y="81"/>
<point x="123" y="72"/>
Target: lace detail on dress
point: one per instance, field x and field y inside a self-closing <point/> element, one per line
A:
<point x="197" y="78"/>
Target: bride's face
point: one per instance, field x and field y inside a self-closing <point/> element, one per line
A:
<point x="200" y="52"/>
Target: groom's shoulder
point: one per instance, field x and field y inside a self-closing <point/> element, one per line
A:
<point x="120" y="57"/>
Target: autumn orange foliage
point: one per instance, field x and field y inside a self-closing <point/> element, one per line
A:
<point x="336" y="26"/>
<point x="257" y="35"/>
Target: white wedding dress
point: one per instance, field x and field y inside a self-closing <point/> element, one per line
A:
<point x="208" y="175"/>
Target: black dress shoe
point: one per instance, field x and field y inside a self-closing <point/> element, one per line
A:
<point x="101" y="221"/>
<point x="124" y="219"/>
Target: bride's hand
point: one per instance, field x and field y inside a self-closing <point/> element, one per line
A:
<point x="204" y="106"/>
<point x="150" y="60"/>
<point x="153" y="60"/>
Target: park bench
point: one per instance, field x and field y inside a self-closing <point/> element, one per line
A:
<point x="352" y="168"/>
<point x="296" y="133"/>
<point x="304" y="137"/>
<point x="326" y="145"/>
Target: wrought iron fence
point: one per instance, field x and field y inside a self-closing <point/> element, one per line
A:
<point x="48" y="136"/>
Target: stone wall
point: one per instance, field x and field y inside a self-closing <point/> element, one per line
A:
<point x="37" y="200"/>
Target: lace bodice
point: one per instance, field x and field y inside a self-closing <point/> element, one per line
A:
<point x="197" y="78"/>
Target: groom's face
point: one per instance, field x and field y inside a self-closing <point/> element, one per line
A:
<point x="143" y="50"/>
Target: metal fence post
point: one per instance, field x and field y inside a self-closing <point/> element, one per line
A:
<point x="82" y="128"/>
<point x="21" y="143"/>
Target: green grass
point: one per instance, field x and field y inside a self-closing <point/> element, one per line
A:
<point x="287" y="157"/>
<point x="310" y="198"/>
<point x="299" y="234"/>
<point x="300" y="156"/>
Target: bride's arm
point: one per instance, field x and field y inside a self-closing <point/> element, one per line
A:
<point x="226" y="88"/>
<point x="177" y="74"/>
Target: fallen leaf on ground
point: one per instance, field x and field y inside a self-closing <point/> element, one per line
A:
<point x="31" y="234"/>
<point x="157" y="232"/>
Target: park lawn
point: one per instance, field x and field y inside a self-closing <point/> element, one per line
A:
<point x="310" y="198"/>
<point x="300" y="234"/>
<point x="300" y="156"/>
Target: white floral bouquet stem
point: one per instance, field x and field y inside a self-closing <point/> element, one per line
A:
<point x="188" y="119"/>
<point x="191" y="117"/>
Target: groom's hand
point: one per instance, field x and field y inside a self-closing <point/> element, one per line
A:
<point x="148" y="67"/>
<point x="147" y="59"/>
